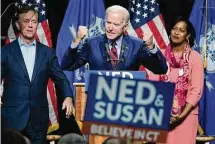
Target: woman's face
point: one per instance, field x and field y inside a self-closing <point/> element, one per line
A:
<point x="178" y="33"/>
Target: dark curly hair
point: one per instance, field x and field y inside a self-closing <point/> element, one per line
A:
<point x="190" y="29"/>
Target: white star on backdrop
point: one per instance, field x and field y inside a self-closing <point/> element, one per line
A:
<point x="38" y="1"/>
<point x="43" y="12"/>
<point x="152" y="1"/>
<point x="145" y="15"/>
<point x="138" y="12"/>
<point x="145" y="7"/>
<point x="23" y="1"/>
<point x="152" y="9"/>
<point x="132" y="9"/>
<point x="36" y="8"/>
<point x="137" y="20"/>
<point x="138" y="5"/>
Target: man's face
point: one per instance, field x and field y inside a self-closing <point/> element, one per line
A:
<point x="27" y="24"/>
<point x="115" y="25"/>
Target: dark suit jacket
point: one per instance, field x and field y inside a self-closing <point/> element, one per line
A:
<point x="93" y="51"/>
<point x="23" y="99"/>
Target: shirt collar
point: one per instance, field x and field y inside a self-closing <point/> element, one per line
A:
<point x="118" y="41"/>
<point x="21" y="43"/>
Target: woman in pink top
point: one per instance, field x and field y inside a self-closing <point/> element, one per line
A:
<point x="185" y="69"/>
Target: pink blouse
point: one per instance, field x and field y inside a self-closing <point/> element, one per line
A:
<point x="196" y="79"/>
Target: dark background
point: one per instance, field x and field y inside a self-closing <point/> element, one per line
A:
<point x="55" y="13"/>
<point x="56" y="9"/>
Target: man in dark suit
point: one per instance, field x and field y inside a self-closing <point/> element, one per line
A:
<point x="26" y="66"/>
<point x="114" y="50"/>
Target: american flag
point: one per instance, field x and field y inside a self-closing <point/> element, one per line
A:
<point x="146" y="17"/>
<point x="43" y="35"/>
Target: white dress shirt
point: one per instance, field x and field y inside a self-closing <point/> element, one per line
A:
<point x="28" y="53"/>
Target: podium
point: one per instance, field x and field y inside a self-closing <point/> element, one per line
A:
<point x="80" y="103"/>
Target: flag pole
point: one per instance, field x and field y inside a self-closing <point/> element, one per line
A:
<point x="206" y="28"/>
<point x="200" y="130"/>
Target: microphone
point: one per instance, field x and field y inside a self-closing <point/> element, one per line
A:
<point x="115" y="62"/>
<point x="121" y="56"/>
<point x="17" y="5"/>
<point x="7" y="8"/>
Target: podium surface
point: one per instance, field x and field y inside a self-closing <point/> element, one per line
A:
<point x="80" y="104"/>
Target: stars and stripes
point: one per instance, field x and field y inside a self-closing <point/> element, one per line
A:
<point x="43" y="35"/>
<point x="146" y="17"/>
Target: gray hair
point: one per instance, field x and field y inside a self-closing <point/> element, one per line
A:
<point x="118" y="8"/>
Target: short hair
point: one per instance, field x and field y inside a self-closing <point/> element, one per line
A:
<point x="117" y="8"/>
<point x="190" y="29"/>
<point x="24" y="9"/>
<point x="12" y="136"/>
<point x="72" y="138"/>
<point x="111" y="139"/>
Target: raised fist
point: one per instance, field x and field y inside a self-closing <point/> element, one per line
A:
<point x="148" y="38"/>
<point x="82" y="32"/>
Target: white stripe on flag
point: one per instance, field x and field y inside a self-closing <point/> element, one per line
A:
<point x="10" y="32"/>
<point x="52" y="116"/>
<point x="131" y="31"/>
<point x="145" y="28"/>
<point x="41" y="35"/>
<point x="1" y="88"/>
<point x="161" y="29"/>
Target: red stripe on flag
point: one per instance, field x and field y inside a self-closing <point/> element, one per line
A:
<point x="7" y="41"/>
<point x="50" y="123"/>
<point x="51" y="94"/>
<point x="139" y="32"/>
<point x="142" y="68"/>
<point x="156" y="34"/>
<point x="53" y="97"/>
<point x="47" y="32"/>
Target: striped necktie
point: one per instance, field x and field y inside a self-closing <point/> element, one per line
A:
<point x="114" y="56"/>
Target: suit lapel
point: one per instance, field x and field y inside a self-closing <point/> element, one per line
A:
<point x="38" y="59"/>
<point x="16" y="52"/>
<point x="102" y="45"/>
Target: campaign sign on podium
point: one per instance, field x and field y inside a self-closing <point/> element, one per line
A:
<point x="128" y="108"/>
<point x="122" y="74"/>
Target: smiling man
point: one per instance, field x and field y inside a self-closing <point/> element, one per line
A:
<point x="114" y="50"/>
